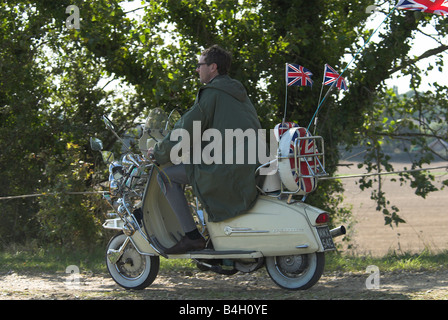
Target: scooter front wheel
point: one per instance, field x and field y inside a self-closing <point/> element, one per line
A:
<point x="296" y="272"/>
<point x="132" y="270"/>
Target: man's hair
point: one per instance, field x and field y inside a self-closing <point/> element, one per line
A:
<point x="222" y="58"/>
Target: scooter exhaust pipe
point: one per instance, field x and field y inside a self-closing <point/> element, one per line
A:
<point x="339" y="231"/>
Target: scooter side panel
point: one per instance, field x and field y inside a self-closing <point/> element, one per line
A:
<point x="272" y="227"/>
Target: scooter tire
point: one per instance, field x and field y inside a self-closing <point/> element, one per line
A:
<point x="133" y="270"/>
<point x="305" y="275"/>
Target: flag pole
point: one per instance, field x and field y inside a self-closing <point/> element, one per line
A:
<point x="354" y="57"/>
<point x="322" y="87"/>
<point x="320" y="96"/>
<point x="286" y="92"/>
<point x="315" y="114"/>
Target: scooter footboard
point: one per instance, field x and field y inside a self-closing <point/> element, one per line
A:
<point x="272" y="227"/>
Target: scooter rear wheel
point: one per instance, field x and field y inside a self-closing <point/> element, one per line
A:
<point x="296" y="272"/>
<point x="132" y="270"/>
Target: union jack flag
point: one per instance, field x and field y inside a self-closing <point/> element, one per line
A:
<point x="300" y="169"/>
<point x="298" y="76"/>
<point x="331" y="76"/>
<point x="430" y="6"/>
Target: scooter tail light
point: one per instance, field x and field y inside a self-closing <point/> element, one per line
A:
<point x="323" y="218"/>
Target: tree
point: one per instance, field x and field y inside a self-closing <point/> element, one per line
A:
<point x="49" y="104"/>
<point x="53" y="89"/>
<point x="263" y="35"/>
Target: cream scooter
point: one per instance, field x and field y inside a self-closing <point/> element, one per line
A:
<point x="287" y="236"/>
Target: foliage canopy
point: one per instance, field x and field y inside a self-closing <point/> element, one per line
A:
<point x="56" y="82"/>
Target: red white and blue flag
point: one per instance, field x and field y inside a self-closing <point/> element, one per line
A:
<point x="429" y="6"/>
<point x="331" y="76"/>
<point x="298" y="76"/>
<point x="304" y="180"/>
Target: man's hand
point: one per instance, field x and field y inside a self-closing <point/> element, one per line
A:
<point x="150" y="156"/>
<point x="150" y="153"/>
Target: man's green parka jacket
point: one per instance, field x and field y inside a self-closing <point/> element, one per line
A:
<point x="224" y="187"/>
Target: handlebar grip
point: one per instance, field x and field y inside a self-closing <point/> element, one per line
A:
<point x="153" y="159"/>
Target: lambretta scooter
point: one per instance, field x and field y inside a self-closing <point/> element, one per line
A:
<point x="280" y="232"/>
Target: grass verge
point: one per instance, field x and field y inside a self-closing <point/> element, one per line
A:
<point x="425" y="260"/>
<point x="57" y="260"/>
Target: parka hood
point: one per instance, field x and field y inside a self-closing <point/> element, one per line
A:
<point x="228" y="85"/>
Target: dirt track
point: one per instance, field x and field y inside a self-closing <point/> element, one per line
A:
<point x="204" y="286"/>
<point x="426" y="227"/>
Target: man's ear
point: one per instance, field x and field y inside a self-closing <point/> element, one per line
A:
<point x="214" y="67"/>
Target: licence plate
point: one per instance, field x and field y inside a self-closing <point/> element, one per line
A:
<point x="325" y="238"/>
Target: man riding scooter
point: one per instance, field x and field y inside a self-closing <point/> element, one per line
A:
<point x="225" y="189"/>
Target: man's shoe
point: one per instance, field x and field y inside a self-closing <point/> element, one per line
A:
<point x="186" y="244"/>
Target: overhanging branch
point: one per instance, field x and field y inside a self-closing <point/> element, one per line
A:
<point x="427" y="54"/>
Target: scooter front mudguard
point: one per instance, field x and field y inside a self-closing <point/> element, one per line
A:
<point x="138" y="239"/>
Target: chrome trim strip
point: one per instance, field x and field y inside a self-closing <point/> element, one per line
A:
<point x="229" y="230"/>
